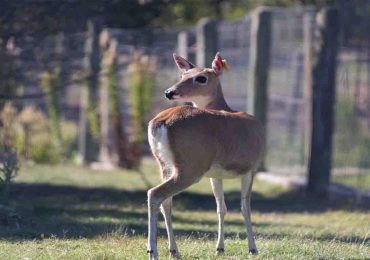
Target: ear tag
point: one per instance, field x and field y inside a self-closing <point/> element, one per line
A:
<point x="225" y="65"/>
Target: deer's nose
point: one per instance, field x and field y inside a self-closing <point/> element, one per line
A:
<point x="169" y="93"/>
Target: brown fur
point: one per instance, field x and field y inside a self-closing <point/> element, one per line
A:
<point x="205" y="137"/>
<point x="212" y="136"/>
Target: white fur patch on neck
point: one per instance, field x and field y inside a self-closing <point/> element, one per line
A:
<point x="201" y="101"/>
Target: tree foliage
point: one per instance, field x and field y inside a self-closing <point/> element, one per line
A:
<point x="20" y="17"/>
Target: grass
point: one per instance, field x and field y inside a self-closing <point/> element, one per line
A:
<point x="360" y="180"/>
<point x="68" y="212"/>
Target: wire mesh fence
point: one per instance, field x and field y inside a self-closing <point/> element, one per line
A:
<point x="351" y="146"/>
<point x="287" y="114"/>
<point x="233" y="42"/>
<point x="286" y="109"/>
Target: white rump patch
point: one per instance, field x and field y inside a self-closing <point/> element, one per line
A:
<point x="160" y="145"/>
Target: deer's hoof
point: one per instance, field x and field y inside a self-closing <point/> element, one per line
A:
<point x="220" y="251"/>
<point x="152" y="255"/>
<point x="253" y="251"/>
<point x="174" y="254"/>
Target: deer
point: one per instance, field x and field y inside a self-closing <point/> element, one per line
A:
<point x="208" y="139"/>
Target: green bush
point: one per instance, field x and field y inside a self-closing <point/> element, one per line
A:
<point x="9" y="167"/>
<point x="38" y="144"/>
<point x="8" y="142"/>
<point x="29" y="134"/>
<point x="42" y="150"/>
<point x="69" y="140"/>
<point x="9" y="126"/>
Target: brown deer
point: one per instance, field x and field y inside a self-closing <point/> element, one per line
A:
<point x="206" y="140"/>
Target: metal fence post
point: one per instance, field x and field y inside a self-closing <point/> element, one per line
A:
<point x="207" y="42"/>
<point x="259" y="61"/>
<point x="322" y="71"/>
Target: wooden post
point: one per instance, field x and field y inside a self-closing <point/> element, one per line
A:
<point x="322" y="71"/>
<point x="259" y="61"/>
<point x="82" y="127"/>
<point x="108" y="58"/>
<point x="308" y="25"/>
<point x="207" y="42"/>
<point x="182" y="44"/>
<point x="89" y="97"/>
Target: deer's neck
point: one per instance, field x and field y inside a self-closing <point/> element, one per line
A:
<point x="217" y="102"/>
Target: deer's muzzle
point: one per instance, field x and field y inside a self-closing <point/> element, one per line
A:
<point x="170" y="93"/>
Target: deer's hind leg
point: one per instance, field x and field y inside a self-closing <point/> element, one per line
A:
<point x="162" y="194"/>
<point x="166" y="209"/>
<point x="247" y="181"/>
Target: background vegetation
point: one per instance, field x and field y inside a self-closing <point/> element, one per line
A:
<point x="55" y="16"/>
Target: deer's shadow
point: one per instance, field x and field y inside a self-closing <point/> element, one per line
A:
<point x="36" y="211"/>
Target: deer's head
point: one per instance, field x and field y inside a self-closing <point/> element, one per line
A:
<point x="197" y="85"/>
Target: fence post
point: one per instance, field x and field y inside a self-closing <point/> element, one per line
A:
<point x="322" y="71"/>
<point x="207" y="41"/>
<point x="259" y="61"/>
<point x="108" y="53"/>
<point x="89" y="97"/>
<point x="182" y="44"/>
<point x="308" y="25"/>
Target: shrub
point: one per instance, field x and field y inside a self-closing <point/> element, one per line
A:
<point x="8" y="170"/>
<point x="8" y="133"/>
<point x="37" y="145"/>
<point x="69" y="140"/>
<point x="29" y="134"/>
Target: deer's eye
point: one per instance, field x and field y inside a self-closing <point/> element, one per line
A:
<point x="201" y="79"/>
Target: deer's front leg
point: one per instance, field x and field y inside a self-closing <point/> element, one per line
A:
<point x="221" y="212"/>
<point x="247" y="181"/>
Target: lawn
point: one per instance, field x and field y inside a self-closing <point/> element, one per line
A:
<point x="69" y="212"/>
<point x="359" y="180"/>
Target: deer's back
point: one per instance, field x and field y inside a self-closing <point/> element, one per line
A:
<point x="210" y="138"/>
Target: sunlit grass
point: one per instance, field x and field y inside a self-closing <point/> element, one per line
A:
<point x="68" y="212"/>
<point x="360" y="180"/>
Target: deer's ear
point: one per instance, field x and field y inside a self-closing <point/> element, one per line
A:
<point x="182" y="63"/>
<point x="217" y="64"/>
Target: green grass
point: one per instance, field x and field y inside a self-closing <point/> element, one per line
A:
<point x="360" y="180"/>
<point x="68" y="212"/>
